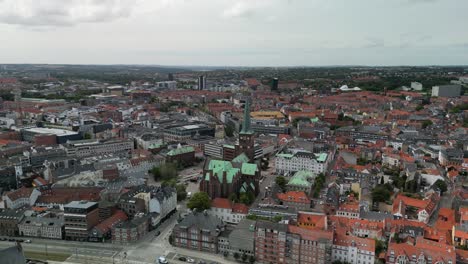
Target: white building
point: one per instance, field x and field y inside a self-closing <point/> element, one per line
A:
<point x="298" y="160"/>
<point x="42" y="226"/>
<point x="163" y="202"/>
<point x="353" y="250"/>
<point x="416" y="86"/>
<point x="86" y="148"/>
<point x="227" y="211"/>
<point x="21" y="197"/>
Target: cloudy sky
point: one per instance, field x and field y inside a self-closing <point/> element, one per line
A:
<point x="235" y="32"/>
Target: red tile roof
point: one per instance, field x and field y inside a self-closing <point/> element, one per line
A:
<point x="106" y="225"/>
<point x="437" y="251"/>
<point x="294" y="196"/>
<point x="347" y="241"/>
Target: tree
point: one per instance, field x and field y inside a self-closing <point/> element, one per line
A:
<point x="381" y="193"/>
<point x="379" y="246"/>
<point x="247" y="198"/>
<point x="251" y="259"/>
<point x="441" y="185"/>
<point x="232" y="197"/>
<point x="225" y="254"/>
<point x="199" y="201"/>
<point x="426" y="123"/>
<point x="419" y="107"/>
<point x="166" y="171"/>
<point x="87" y="136"/>
<point x="236" y="255"/>
<point x="181" y="192"/>
<point x="281" y="182"/>
<point x="244" y="257"/>
<point x="229" y="130"/>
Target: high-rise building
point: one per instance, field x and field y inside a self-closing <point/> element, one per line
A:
<point x="452" y="90"/>
<point x="274" y="84"/>
<point x="201" y="82"/>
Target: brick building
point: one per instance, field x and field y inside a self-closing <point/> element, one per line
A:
<point x="198" y="231"/>
<point x="270" y="242"/>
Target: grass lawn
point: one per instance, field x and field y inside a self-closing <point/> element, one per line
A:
<point x="50" y="256"/>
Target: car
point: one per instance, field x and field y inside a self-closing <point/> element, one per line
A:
<point x="190" y="260"/>
<point x="20" y="240"/>
<point x="201" y="262"/>
<point x="27" y="241"/>
<point x="157" y="233"/>
<point x="183" y="259"/>
<point x="3" y="238"/>
<point x="162" y="260"/>
<point x="11" y="239"/>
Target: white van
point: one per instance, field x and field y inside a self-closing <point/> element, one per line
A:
<point x="162" y="260"/>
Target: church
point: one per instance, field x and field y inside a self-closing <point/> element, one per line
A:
<point x="221" y="178"/>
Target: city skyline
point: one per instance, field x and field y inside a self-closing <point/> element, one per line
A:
<point x="235" y="33"/>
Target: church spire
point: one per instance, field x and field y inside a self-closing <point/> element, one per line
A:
<point x="246" y="123"/>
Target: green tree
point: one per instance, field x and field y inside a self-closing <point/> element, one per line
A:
<point x="233" y="197"/>
<point x="247" y="198"/>
<point x="236" y="255"/>
<point x="419" y="107"/>
<point x="181" y="192"/>
<point x="426" y="123"/>
<point x="281" y="182"/>
<point x="379" y="246"/>
<point x="229" y="130"/>
<point x="166" y="171"/>
<point x="87" y="136"/>
<point x="199" y="201"/>
<point x="441" y="185"/>
<point x="381" y="193"/>
<point x="244" y="257"/>
<point x="251" y="259"/>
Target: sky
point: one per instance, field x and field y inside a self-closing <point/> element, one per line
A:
<point x="235" y="32"/>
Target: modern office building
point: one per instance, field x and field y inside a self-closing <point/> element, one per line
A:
<point x="451" y="90"/>
<point x="201" y="82"/>
<point x="80" y="217"/>
<point x="87" y="148"/>
<point x="274" y="84"/>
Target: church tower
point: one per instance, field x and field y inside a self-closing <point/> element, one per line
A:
<point x="246" y="136"/>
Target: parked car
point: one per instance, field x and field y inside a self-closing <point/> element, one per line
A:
<point x="28" y="241"/>
<point x="183" y="259"/>
<point x="190" y="260"/>
<point x="162" y="260"/>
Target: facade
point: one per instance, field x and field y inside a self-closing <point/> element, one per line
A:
<point x="44" y="226"/>
<point x="301" y="160"/>
<point x="80" y="217"/>
<point x="309" y="246"/>
<point x="183" y="155"/>
<point x="295" y="199"/>
<point x="349" y="210"/>
<point x="354" y="250"/>
<point x="301" y="181"/>
<point x="184" y="132"/>
<point x="21" y="197"/>
<point x="103" y="230"/>
<point x="223" y="178"/>
<point x="9" y="220"/>
<point x="37" y="156"/>
<point x="451" y="157"/>
<point x="131" y="230"/>
<point x="198" y="231"/>
<point x="149" y="199"/>
<point x="452" y="90"/>
<point x="62" y="135"/>
<point x="271" y="242"/>
<point x="423" y="251"/>
<point x="87" y="148"/>
<point x="201" y="82"/>
<point x="228" y="211"/>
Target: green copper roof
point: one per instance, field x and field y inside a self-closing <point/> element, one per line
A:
<point x="155" y="145"/>
<point x="322" y="157"/>
<point x="300" y="178"/>
<point x="246" y="122"/>
<point x="249" y="168"/>
<point x="243" y="188"/>
<point x="219" y="167"/>
<point x="179" y="151"/>
<point x="241" y="158"/>
<point x="229" y="146"/>
<point x="284" y="155"/>
<point x="314" y="120"/>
